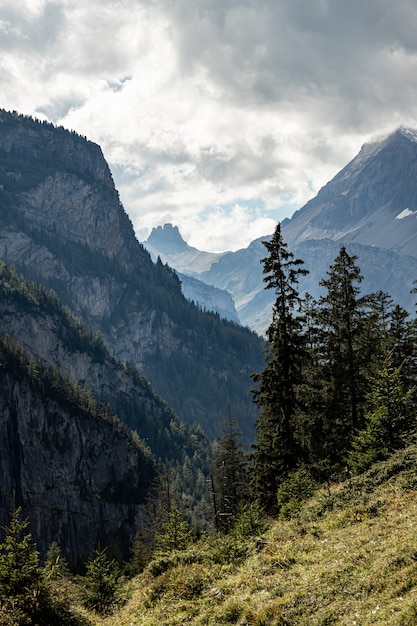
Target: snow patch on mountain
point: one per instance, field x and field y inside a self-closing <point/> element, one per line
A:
<point x="405" y="213"/>
<point x="410" y="133"/>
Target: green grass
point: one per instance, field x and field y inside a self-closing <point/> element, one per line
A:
<point x="349" y="557"/>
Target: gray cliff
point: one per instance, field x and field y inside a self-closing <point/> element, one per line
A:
<point x="62" y="224"/>
<point x="79" y="478"/>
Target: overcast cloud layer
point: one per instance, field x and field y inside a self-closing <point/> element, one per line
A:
<point x="219" y="116"/>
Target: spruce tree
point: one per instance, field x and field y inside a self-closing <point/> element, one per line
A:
<point x="276" y="451"/>
<point x="346" y="351"/>
<point x="101" y="590"/>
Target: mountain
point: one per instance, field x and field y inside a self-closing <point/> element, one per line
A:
<point x="372" y="201"/>
<point x="370" y="206"/>
<point x="72" y="467"/>
<point x="62" y="224"/>
<point x="167" y="243"/>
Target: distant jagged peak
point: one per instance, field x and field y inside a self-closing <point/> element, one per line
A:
<point x="167" y="238"/>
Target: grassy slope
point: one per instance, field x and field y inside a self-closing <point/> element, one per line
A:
<point x="348" y="557"/>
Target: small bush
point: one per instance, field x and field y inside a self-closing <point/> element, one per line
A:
<point x="250" y="521"/>
<point x="298" y="487"/>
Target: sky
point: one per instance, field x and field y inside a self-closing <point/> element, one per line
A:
<point x="221" y="117"/>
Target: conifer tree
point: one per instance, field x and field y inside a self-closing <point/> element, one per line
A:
<point x="26" y="594"/>
<point x="276" y="450"/>
<point x="389" y="421"/>
<point x="101" y="585"/>
<point x="175" y="533"/>
<point x="230" y="473"/>
<point x="346" y="350"/>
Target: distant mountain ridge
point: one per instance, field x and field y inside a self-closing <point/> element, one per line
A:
<point x="370" y="206"/>
<point x="167" y="241"/>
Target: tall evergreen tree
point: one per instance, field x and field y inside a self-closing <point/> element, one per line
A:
<point x="276" y="450"/>
<point x="346" y="348"/>
<point x="312" y="392"/>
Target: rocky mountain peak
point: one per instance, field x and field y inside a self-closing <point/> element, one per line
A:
<point x="167" y="238"/>
<point x="362" y="202"/>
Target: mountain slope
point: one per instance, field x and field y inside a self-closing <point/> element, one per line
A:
<point x="167" y="243"/>
<point x="62" y="472"/>
<point x="372" y="201"/>
<point x="62" y="224"/>
<point x="347" y="556"/>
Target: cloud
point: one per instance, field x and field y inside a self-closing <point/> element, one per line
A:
<point x="206" y="105"/>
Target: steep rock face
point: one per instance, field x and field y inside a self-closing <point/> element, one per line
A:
<point x="39" y="323"/>
<point x="78" y="478"/>
<point x="62" y="224"/>
<point x="51" y="170"/>
<point x="53" y="341"/>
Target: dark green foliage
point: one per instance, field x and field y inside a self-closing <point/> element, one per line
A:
<point x="390" y="420"/>
<point x="276" y="451"/>
<point x="19" y="560"/>
<point x="339" y="381"/>
<point x="141" y="410"/>
<point x="214" y="373"/>
<point x="101" y="587"/>
<point x="250" y="521"/>
<point x="230" y="474"/>
<point x="26" y="595"/>
<point x="345" y="354"/>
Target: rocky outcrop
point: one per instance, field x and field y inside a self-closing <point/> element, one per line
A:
<point x="45" y="329"/>
<point x="209" y="298"/>
<point x="167" y="243"/>
<point x="372" y="201"/>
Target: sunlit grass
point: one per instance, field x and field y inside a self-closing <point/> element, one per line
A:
<point x="348" y="558"/>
